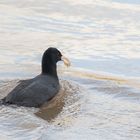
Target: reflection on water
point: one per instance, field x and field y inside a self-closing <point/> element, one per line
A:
<point x="99" y="97"/>
<point x="67" y="97"/>
<point x="85" y="107"/>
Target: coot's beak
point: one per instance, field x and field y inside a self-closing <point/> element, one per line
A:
<point x="65" y="60"/>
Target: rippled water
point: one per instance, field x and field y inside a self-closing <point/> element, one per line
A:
<point x="100" y="94"/>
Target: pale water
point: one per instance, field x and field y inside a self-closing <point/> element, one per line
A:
<point x="100" y="92"/>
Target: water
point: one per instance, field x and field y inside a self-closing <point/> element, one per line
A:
<point x="100" y="94"/>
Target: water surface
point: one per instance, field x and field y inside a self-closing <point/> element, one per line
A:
<point x="100" y="93"/>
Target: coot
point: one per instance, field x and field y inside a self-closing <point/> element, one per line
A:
<point x="35" y="92"/>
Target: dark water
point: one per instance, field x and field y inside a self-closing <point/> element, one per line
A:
<point x="100" y="93"/>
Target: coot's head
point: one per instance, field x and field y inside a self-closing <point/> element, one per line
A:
<point x="50" y="57"/>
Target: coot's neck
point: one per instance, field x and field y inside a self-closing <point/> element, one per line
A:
<point x="49" y="67"/>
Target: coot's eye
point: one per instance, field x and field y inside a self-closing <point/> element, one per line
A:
<point x="59" y="54"/>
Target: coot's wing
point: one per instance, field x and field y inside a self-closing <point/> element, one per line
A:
<point x="20" y="86"/>
<point x="40" y="90"/>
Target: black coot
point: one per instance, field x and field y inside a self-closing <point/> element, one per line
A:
<point x="34" y="92"/>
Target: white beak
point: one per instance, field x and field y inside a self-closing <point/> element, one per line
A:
<point x="65" y="60"/>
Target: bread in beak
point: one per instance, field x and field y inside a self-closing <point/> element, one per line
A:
<point x="65" y="60"/>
